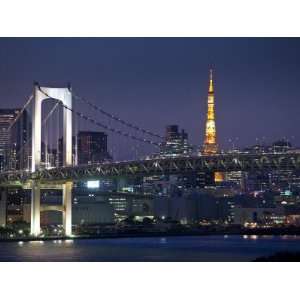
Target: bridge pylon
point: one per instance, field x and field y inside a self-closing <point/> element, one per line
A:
<point x="35" y="228"/>
<point x="65" y="96"/>
<point x="67" y="203"/>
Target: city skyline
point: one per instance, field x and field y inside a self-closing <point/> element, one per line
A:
<point x="163" y="135"/>
<point x="60" y="176"/>
<point x="133" y="71"/>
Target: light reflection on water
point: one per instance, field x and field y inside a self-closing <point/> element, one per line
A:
<point x="163" y="240"/>
<point x="193" y="248"/>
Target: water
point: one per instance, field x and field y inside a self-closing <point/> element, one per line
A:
<point x="189" y="248"/>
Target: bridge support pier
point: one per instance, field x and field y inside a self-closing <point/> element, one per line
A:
<point x="3" y="207"/>
<point x="35" y="227"/>
<point x="67" y="203"/>
<point x="63" y="95"/>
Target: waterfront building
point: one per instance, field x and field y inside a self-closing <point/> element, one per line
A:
<point x="125" y="207"/>
<point x="85" y="211"/>
<point x="194" y="206"/>
<point x="16" y="199"/>
<point x="87" y="208"/>
<point x="258" y="215"/>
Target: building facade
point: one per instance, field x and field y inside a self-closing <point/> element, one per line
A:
<point x="175" y="144"/>
<point x="92" y="147"/>
<point x="14" y="151"/>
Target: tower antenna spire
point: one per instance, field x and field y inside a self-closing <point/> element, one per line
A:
<point x="211" y="85"/>
<point x="210" y="146"/>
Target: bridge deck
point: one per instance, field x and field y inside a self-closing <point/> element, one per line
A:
<point x="182" y="165"/>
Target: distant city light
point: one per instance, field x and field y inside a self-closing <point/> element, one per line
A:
<point x="286" y="193"/>
<point x="128" y="189"/>
<point x="93" y="184"/>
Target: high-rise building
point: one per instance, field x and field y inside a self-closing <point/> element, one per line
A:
<point x="281" y="146"/>
<point x="7" y="116"/>
<point x="20" y="154"/>
<point x="210" y="143"/>
<point x="13" y="153"/>
<point x="92" y="147"/>
<point x="55" y="156"/>
<point x="176" y="143"/>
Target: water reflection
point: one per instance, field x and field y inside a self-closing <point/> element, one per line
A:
<point x="57" y="241"/>
<point x="193" y="248"/>
<point x="36" y="242"/>
<point x="289" y="237"/>
<point x="163" y="240"/>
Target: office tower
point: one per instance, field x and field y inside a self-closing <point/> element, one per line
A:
<point x="176" y="143"/>
<point x="14" y="132"/>
<point x="92" y="147"/>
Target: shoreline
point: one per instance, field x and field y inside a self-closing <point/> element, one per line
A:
<point x="156" y="234"/>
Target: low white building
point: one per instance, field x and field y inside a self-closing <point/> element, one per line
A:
<point x="242" y="215"/>
<point x="83" y="212"/>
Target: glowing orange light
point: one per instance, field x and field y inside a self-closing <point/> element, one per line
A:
<point x="210" y="143"/>
<point x="219" y="176"/>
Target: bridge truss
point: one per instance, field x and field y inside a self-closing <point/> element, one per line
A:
<point x="171" y="166"/>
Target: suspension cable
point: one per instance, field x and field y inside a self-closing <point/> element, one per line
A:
<point x="126" y="134"/>
<point x="20" y="112"/>
<point x="87" y="118"/>
<point x="97" y="108"/>
<point x="43" y="124"/>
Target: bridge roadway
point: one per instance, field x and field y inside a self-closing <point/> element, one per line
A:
<point x="168" y="166"/>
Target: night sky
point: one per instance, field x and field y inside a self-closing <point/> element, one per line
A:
<point x="154" y="82"/>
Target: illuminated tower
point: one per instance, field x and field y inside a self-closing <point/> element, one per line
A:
<point x="210" y="144"/>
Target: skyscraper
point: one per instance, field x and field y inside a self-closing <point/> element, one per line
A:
<point x="210" y="144"/>
<point x="13" y="138"/>
<point x="176" y="143"/>
<point x="7" y="116"/>
<point x="92" y="147"/>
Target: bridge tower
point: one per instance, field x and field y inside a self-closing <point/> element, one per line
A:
<point x="65" y="96"/>
<point x="210" y="142"/>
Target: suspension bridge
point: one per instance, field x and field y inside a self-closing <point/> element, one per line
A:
<point x="49" y="156"/>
